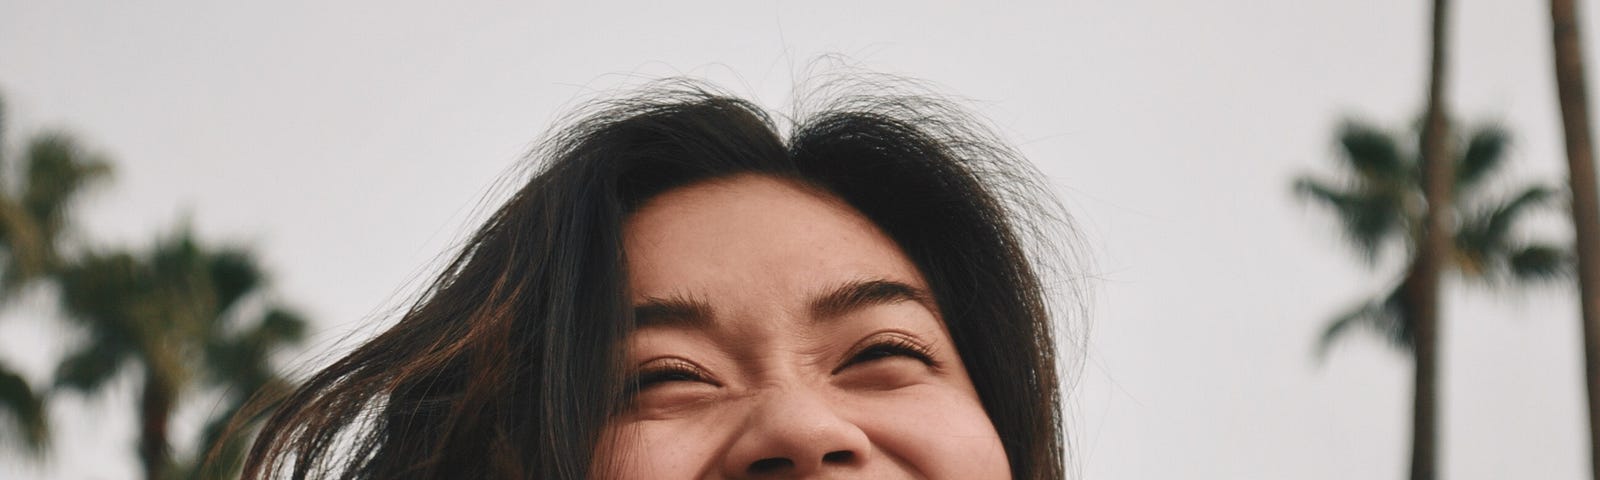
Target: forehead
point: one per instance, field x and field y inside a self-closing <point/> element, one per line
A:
<point x="753" y="239"/>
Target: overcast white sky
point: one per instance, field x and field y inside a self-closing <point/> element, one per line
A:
<point x="350" y="141"/>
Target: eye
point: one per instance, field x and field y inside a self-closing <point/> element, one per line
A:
<point x="889" y="346"/>
<point x="665" y="371"/>
<point x="665" y="387"/>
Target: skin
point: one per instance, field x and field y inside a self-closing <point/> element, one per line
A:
<point x="761" y="383"/>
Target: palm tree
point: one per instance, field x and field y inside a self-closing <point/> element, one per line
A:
<point x="189" y="318"/>
<point x="1378" y="198"/>
<point x="36" y="200"/>
<point x="1574" y="99"/>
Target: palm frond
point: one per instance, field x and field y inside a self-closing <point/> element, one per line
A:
<point x="1486" y="234"/>
<point x="1506" y="215"/>
<point x="1535" y="263"/>
<point x="1379" y="315"/>
<point x="244" y="360"/>
<point x="1367" y="218"/>
<point x="235" y="360"/>
<point x="1371" y="152"/>
<point x="98" y="288"/>
<point x="1485" y="152"/>
<point x="26" y="410"/>
<point x="57" y="170"/>
<point x="233" y="275"/>
<point x="1343" y="324"/>
<point x="1395" y="327"/>
<point x="178" y="257"/>
<point x="95" y="363"/>
<point x="1382" y="316"/>
<point x="281" y="327"/>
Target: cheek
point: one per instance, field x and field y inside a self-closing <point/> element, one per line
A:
<point x="638" y="450"/>
<point x="945" y="436"/>
<point x="928" y="431"/>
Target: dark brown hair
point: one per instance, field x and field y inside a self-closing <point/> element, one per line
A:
<point x="508" y="365"/>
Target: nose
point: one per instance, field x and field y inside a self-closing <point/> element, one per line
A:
<point x="795" y="434"/>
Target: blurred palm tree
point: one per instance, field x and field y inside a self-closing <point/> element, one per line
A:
<point x="36" y="200"/>
<point x="191" y="319"/>
<point x="1378" y="201"/>
<point x="1377" y="196"/>
<point x="194" y="320"/>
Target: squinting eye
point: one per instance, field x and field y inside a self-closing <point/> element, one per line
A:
<point x="667" y="371"/>
<point x="667" y="375"/>
<point x="890" y="346"/>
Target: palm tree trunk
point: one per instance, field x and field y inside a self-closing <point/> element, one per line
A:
<point x="1585" y="205"/>
<point x="155" y="408"/>
<point x="1432" y="250"/>
<point x="1424" y="350"/>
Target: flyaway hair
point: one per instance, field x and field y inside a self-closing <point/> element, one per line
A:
<point x="509" y="364"/>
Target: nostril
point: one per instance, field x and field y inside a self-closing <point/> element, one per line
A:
<point x="769" y="465"/>
<point x="842" y="456"/>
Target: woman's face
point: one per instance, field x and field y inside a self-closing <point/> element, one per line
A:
<point x="781" y="334"/>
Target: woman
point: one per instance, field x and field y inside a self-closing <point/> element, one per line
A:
<point x="681" y="292"/>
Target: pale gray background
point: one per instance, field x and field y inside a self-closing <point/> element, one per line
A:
<point x="351" y="143"/>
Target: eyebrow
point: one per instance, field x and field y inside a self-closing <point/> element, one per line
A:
<point x="686" y="312"/>
<point x="861" y="294"/>
<point x="673" y="311"/>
